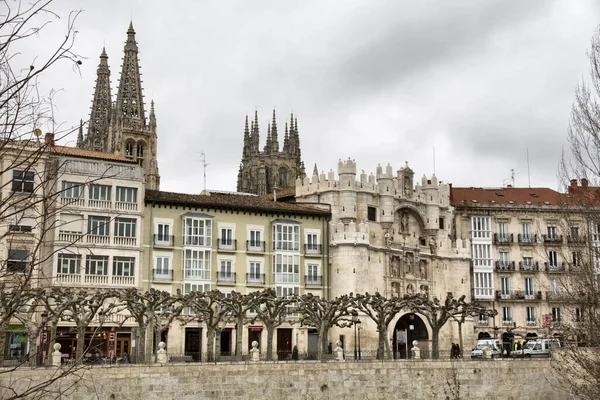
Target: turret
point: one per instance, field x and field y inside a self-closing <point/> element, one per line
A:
<point x="347" y="187"/>
<point x="152" y="123"/>
<point x="385" y="184"/>
<point x="430" y="192"/>
<point x="405" y="181"/>
<point x="130" y="101"/>
<point x="80" y="134"/>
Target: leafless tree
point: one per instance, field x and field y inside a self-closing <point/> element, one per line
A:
<point x="273" y="312"/>
<point x="239" y="305"/>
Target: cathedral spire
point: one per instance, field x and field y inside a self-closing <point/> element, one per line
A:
<point x="315" y="170"/>
<point x="152" y="116"/>
<point x="286" y="139"/>
<point x="80" y="134"/>
<point x="97" y="135"/>
<point x="130" y="101"/>
<point x="267" y="148"/>
<point x="255" y="134"/>
<point x="274" y="138"/>
<point x="246" y="149"/>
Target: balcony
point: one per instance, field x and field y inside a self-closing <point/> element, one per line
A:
<point x="124" y="241"/>
<point x="95" y="280"/>
<point x="313" y="281"/>
<point x="227" y="245"/>
<point x="527" y="239"/>
<point x="253" y="246"/>
<point x="70" y="237"/>
<point x="552" y="238"/>
<point x="577" y="239"/>
<point x="196" y="274"/>
<point x="126" y="206"/>
<point x="529" y="268"/>
<point x="506" y="238"/>
<point x="533" y="296"/>
<point x="503" y="295"/>
<point x="313" y="250"/>
<point x="161" y="275"/>
<point x="285" y="246"/>
<point x="531" y="322"/>
<point x="483" y="322"/>
<point x="225" y="278"/>
<point x="508" y="322"/>
<point x="164" y="240"/>
<point x="103" y="204"/>
<point x="97" y="239"/>
<point x="284" y="277"/>
<point x="554" y="296"/>
<point x="72" y="201"/>
<point x="518" y="295"/>
<point x="255" y="279"/>
<point x="508" y="266"/>
<point x="556" y="269"/>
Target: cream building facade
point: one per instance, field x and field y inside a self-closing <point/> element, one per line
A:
<point x="391" y="236"/>
<point x="234" y="242"/>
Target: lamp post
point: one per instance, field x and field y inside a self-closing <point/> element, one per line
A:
<point x="359" y="339"/>
<point x="354" y="319"/>
<point x="44" y="322"/>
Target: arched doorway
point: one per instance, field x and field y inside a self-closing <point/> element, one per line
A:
<point x="415" y="329"/>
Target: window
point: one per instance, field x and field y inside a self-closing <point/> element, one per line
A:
<point x="99" y="192"/>
<point x="507" y="314"/>
<point x="312" y="274"/>
<point x="575" y="232"/>
<point x="123" y="266"/>
<point x="527" y="261"/>
<point x="283" y="291"/>
<point x="480" y="227"/>
<point x="96" y="265"/>
<point x="553" y="287"/>
<point x="504" y="258"/>
<point x="502" y="231"/>
<point x="98" y="225"/>
<point x="20" y="220"/>
<point x="18" y="260"/>
<point x="126" y="194"/>
<point x="505" y="285"/>
<point x="529" y="287"/>
<point x="286" y="268"/>
<point x="255" y="271"/>
<point x="197" y="231"/>
<point x="556" y="316"/>
<point x="526" y="232"/>
<point x="579" y="315"/>
<point x="163" y="233"/>
<point x="22" y="181"/>
<point x="163" y="264"/>
<point x="530" y="312"/>
<point x="196" y="264"/>
<point x="129" y="149"/>
<point x="551" y="232"/>
<point x="196" y="287"/>
<point x="595" y="232"/>
<point x="483" y="284"/>
<point x="226" y="270"/>
<point x="552" y="258"/>
<point x="255" y="239"/>
<point x="226" y="237"/>
<point x="312" y="242"/>
<point x="441" y="222"/>
<point x="69" y="264"/>
<point x="125" y="227"/>
<point x="71" y="190"/>
<point x="372" y="214"/>
<point x="482" y="255"/>
<point x="282" y="177"/>
<point x="286" y="237"/>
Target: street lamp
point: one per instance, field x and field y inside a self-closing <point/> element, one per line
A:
<point x="359" y="339"/>
<point x="44" y="322"/>
<point x="354" y="314"/>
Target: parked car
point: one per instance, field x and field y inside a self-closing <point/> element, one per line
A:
<point x="540" y="348"/>
<point x="492" y="344"/>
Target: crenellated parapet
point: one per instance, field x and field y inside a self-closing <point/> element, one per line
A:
<point x="351" y="233"/>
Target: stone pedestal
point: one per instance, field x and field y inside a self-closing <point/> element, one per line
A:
<point x="56" y="355"/>
<point x="486" y="353"/>
<point x="339" y="352"/>
<point x="254" y="352"/>
<point x="415" y="350"/>
<point x="161" y="354"/>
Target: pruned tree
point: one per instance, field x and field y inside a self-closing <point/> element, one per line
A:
<point x="382" y="311"/>
<point x="273" y="312"/>
<point x="471" y="310"/>
<point x="324" y="314"/>
<point x="239" y="305"/>
<point x="438" y="313"/>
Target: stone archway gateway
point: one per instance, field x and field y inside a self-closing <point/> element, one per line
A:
<point x="414" y="329"/>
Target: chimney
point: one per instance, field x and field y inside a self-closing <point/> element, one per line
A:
<point x="49" y="139"/>
<point x="573" y="183"/>
<point x="451" y="193"/>
<point x="584" y="183"/>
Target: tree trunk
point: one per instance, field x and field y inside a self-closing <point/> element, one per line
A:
<point x="217" y="345"/>
<point x="80" y="343"/>
<point x="142" y="350"/>
<point x="388" y="351"/>
<point x="270" y="331"/>
<point x="3" y="331"/>
<point x="238" y="338"/>
<point x="210" y="344"/>
<point x="32" y="338"/>
<point x="323" y="341"/>
<point x="381" y="343"/>
<point x="460" y="337"/>
<point x="435" y="342"/>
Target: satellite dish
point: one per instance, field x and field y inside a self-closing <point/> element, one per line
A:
<point x="37" y="132"/>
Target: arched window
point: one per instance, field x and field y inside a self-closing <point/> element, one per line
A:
<point x="129" y="149"/>
<point x="140" y="153"/>
<point x="282" y="177"/>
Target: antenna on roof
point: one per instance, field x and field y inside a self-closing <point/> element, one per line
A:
<point x="528" y="174"/>
<point x="434" y="160"/>
<point x="204" y="165"/>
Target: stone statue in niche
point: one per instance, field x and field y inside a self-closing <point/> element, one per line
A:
<point x="433" y="245"/>
<point x="395" y="289"/>
<point x="394" y="265"/>
<point x="423" y="270"/>
<point x="388" y="240"/>
<point x="406" y="186"/>
<point x="410" y="290"/>
<point x="404" y="222"/>
<point x="424" y="290"/>
<point x="409" y="263"/>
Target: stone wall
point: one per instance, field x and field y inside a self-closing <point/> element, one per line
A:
<point x="496" y="379"/>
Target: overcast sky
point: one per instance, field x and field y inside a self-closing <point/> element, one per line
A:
<point x="378" y="81"/>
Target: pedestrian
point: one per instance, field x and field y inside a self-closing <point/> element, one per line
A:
<point x="329" y="348"/>
<point x="453" y="350"/>
<point x="457" y="350"/>
<point x="295" y="353"/>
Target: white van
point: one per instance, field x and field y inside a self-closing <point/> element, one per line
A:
<point x="540" y="348"/>
<point x="493" y="344"/>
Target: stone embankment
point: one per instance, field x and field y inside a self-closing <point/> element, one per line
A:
<point x="497" y="379"/>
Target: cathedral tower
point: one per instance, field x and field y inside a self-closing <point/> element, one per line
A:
<point x="262" y="172"/>
<point x="121" y="127"/>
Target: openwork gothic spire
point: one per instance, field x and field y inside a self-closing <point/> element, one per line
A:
<point x="97" y="135"/>
<point x="130" y="101"/>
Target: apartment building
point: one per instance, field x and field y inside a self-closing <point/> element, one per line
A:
<point x="234" y="242"/>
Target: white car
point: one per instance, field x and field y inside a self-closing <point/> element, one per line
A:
<point x="492" y="344"/>
<point x="540" y="348"/>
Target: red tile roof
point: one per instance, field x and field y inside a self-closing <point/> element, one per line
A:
<point x="508" y="196"/>
<point x="232" y="201"/>
<point x="98" y="155"/>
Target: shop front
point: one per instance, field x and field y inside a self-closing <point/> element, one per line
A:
<point x="16" y="343"/>
<point x="100" y="342"/>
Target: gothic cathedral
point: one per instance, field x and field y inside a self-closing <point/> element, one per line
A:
<point x="121" y="127"/>
<point x="263" y="172"/>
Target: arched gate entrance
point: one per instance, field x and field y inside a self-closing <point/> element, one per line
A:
<point x="408" y="328"/>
